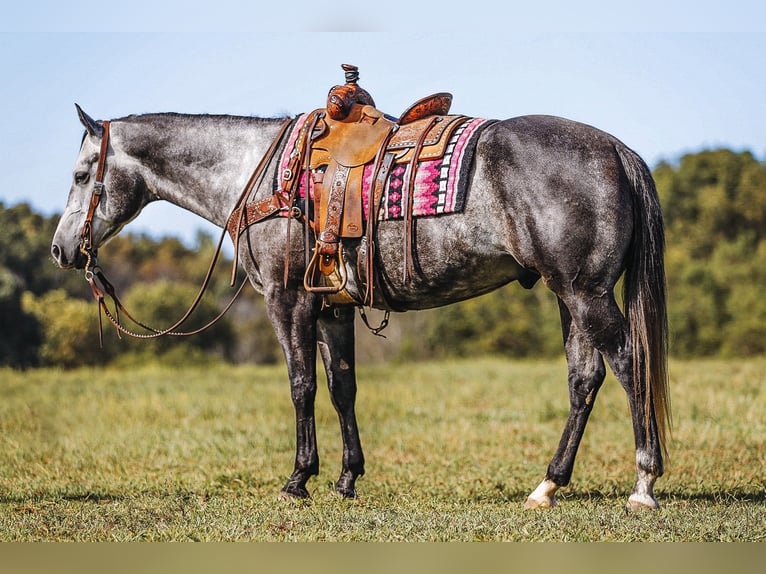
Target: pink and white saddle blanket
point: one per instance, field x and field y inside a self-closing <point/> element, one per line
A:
<point x="440" y="184"/>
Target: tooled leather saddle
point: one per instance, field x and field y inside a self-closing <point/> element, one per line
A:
<point x="336" y="146"/>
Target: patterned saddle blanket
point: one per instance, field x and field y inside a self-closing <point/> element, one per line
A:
<point x="441" y="172"/>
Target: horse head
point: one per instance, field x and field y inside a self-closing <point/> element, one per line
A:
<point x="107" y="192"/>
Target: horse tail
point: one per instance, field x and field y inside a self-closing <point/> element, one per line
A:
<point x="644" y="295"/>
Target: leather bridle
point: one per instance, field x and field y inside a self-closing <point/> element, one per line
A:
<point x="86" y="236"/>
<point x="93" y="272"/>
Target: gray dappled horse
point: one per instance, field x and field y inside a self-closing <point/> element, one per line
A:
<point x="548" y="198"/>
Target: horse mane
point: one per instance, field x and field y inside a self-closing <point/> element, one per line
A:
<point x="155" y="117"/>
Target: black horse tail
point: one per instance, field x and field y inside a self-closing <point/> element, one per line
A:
<point x="644" y="296"/>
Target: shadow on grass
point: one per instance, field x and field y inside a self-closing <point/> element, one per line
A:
<point x="717" y="497"/>
<point x="500" y="498"/>
<point x="94" y="497"/>
<point x="505" y="496"/>
<point x="723" y="497"/>
<point x="98" y="497"/>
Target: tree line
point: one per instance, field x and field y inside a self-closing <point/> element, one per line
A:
<point x="714" y="205"/>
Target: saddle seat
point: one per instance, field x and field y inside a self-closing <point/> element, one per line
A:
<point x="356" y="139"/>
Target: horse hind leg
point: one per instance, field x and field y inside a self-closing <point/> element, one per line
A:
<point x="335" y="330"/>
<point x="586" y="372"/>
<point x="610" y="335"/>
<point x="604" y="328"/>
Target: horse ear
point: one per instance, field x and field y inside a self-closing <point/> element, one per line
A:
<point x="93" y="127"/>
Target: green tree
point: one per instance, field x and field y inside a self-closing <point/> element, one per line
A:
<point x="160" y="304"/>
<point x="20" y="332"/>
<point x="25" y="244"/>
<point x="510" y="321"/>
<point x="25" y="267"/>
<point x="69" y="330"/>
<point x="714" y="204"/>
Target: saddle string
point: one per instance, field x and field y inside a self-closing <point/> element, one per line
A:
<point x="383" y="163"/>
<point x="302" y="150"/>
<point x="409" y="220"/>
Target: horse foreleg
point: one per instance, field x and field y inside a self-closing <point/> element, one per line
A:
<point x="586" y="374"/>
<point x="335" y="331"/>
<point x="294" y="318"/>
<point x="303" y="392"/>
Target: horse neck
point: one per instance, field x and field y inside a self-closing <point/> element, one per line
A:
<point x="198" y="162"/>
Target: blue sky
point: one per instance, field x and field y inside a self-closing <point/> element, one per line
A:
<point x="665" y="77"/>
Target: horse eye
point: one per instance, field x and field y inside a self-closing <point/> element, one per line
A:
<point x="81" y="177"/>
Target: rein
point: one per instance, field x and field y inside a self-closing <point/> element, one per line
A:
<point x="94" y="273"/>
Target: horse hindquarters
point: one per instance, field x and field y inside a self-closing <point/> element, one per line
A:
<point x="634" y="345"/>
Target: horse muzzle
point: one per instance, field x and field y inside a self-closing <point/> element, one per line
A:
<point x="66" y="260"/>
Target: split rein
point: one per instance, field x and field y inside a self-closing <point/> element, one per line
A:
<point x="101" y="286"/>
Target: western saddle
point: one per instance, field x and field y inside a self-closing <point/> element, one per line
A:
<point x="333" y="148"/>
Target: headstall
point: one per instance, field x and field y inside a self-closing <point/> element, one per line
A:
<point x="93" y="271"/>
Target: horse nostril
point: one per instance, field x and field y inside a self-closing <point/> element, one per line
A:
<point x="56" y="252"/>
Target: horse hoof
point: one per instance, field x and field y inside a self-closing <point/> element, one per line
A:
<point x="345" y="487"/>
<point x="292" y="492"/>
<point x="347" y="493"/>
<point x="543" y="502"/>
<point x="544" y="496"/>
<point x="638" y="502"/>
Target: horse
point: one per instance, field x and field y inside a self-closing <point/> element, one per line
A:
<point x="547" y="199"/>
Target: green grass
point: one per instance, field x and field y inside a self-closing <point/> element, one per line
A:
<point x="452" y="451"/>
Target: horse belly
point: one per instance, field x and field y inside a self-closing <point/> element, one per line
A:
<point x="451" y="263"/>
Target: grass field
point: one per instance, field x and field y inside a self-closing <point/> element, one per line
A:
<point x="452" y="451"/>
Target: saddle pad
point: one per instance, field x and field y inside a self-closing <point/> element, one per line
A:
<point x="440" y="184"/>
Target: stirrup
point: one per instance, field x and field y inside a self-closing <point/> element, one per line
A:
<point x="337" y="280"/>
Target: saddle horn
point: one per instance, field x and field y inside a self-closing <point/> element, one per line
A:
<point x="341" y="98"/>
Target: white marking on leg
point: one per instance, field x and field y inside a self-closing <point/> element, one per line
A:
<point x="543" y="496"/>
<point x="643" y="492"/>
